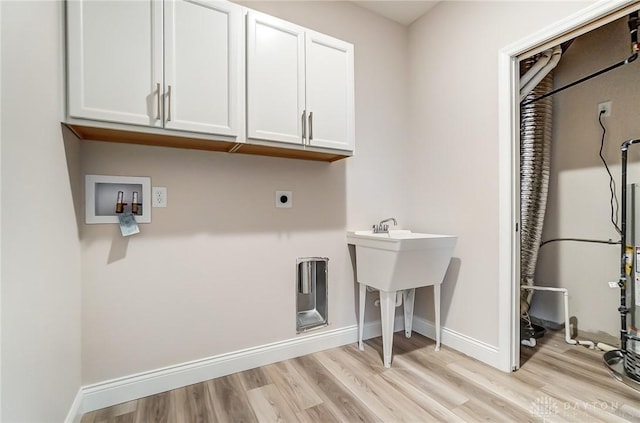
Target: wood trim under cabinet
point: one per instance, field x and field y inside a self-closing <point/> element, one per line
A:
<point x="131" y="137"/>
<point x="288" y="153"/>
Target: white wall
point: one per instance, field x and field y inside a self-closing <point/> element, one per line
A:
<point x="453" y="160"/>
<point x="578" y="204"/>
<point x="215" y="271"/>
<point x="40" y="248"/>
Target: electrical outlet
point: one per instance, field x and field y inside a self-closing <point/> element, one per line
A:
<point x="606" y="107"/>
<point x="613" y="284"/>
<point x="159" y="197"/>
<point x="284" y="199"/>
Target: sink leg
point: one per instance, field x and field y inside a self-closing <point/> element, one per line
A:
<point x="388" y="312"/>
<point x="436" y="301"/>
<point x="363" y="299"/>
<point x="409" y="296"/>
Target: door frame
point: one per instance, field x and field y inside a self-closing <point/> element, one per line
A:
<point x="587" y="19"/>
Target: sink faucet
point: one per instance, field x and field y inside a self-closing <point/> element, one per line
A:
<point x="382" y="227"/>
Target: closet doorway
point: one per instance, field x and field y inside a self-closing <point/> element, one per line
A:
<point x="590" y="19"/>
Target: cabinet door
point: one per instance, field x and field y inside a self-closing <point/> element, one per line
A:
<point x="202" y="66"/>
<point x="115" y="60"/>
<point x="275" y="79"/>
<point x="330" y="92"/>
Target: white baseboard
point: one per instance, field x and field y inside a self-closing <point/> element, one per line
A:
<point x="128" y="388"/>
<point x="479" y="350"/>
<point x="75" y="412"/>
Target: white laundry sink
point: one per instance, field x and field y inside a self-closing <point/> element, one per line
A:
<point x="401" y="259"/>
<point x="396" y="263"/>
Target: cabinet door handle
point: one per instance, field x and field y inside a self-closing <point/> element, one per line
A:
<point x="159" y="104"/>
<point x="304" y="125"/>
<point x="169" y="105"/>
<point x="310" y="127"/>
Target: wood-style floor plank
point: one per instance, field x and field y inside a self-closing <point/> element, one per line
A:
<point x="124" y="418"/>
<point x="111" y="413"/>
<point x="295" y="389"/>
<point x="440" y="368"/>
<point x="370" y="389"/>
<point x="269" y="405"/>
<point x="433" y="408"/>
<point x="574" y="408"/>
<point x="557" y="382"/>
<point x="155" y="409"/>
<point x="551" y="378"/>
<point x="230" y="402"/>
<point x="337" y="397"/>
<point x="479" y="411"/>
<point x="510" y="389"/>
<point x="192" y="404"/>
<point x="254" y="378"/>
<point x="317" y="413"/>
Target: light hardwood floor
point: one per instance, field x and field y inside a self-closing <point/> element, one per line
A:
<point x="556" y="382"/>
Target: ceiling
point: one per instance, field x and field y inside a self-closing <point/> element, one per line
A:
<point x="402" y="11"/>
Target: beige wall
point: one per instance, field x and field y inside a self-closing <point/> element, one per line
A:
<point x="40" y="248"/>
<point x="215" y="271"/>
<point x="453" y="160"/>
<point x="160" y="296"/>
<point x="579" y="188"/>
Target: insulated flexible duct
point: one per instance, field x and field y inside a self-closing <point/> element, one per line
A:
<point x="535" y="158"/>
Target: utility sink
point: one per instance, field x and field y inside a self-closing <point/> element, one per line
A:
<point x="396" y="262"/>
<point x="401" y="259"/>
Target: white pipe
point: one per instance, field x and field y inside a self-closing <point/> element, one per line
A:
<point x="398" y="298"/>
<point x="539" y="76"/>
<point x="567" y="331"/>
<point x="537" y="66"/>
<point x="605" y="347"/>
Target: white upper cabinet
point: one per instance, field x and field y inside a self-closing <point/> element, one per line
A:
<point x="186" y="73"/>
<point x="175" y="64"/>
<point x="202" y="66"/>
<point x="275" y="79"/>
<point x="115" y="60"/>
<point x="300" y="85"/>
<point x="330" y="92"/>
